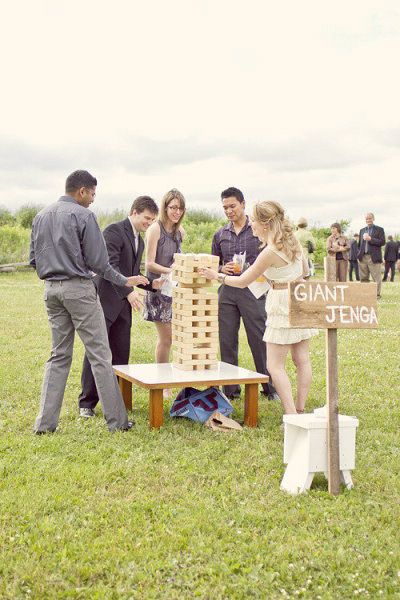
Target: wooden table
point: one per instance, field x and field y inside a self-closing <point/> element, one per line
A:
<point x="157" y="377"/>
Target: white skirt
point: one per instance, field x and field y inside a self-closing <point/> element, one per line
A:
<point x="278" y="330"/>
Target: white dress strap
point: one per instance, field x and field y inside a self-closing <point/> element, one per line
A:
<point x="280" y="254"/>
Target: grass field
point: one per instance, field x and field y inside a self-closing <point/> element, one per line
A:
<point x="185" y="512"/>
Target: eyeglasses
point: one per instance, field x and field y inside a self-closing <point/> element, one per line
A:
<point x="175" y="208"/>
<point x="91" y="192"/>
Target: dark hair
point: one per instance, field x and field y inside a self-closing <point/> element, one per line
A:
<point x="142" y="203"/>
<point x="79" y="179"/>
<point x="338" y="227"/>
<point x="390" y="238"/>
<point x="232" y="191"/>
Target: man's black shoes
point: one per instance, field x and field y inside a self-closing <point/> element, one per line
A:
<point x="272" y="395"/>
<point x="128" y="427"/>
<point x="86" y="413"/>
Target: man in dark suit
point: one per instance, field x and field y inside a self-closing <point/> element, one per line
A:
<point x="372" y="238"/>
<point x="125" y="248"/>
<point x="353" y="258"/>
<point x="390" y="257"/>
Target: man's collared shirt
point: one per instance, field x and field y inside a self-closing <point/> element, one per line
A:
<point x="66" y="242"/>
<point x="226" y="243"/>
<point x="135" y="235"/>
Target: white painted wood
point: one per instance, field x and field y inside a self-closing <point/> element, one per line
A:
<point x="165" y="375"/>
<point x="345" y="477"/>
<point x="306" y="450"/>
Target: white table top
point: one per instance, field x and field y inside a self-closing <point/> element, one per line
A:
<point x="165" y="375"/>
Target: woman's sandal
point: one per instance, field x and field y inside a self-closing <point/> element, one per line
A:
<point x="300" y="411"/>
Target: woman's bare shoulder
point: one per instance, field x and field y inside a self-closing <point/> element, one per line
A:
<point x="154" y="229"/>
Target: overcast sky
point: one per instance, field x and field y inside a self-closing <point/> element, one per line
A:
<point x="293" y="101"/>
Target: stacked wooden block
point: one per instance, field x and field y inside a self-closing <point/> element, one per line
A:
<point x="194" y="314"/>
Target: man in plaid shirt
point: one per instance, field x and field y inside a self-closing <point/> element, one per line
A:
<point x="236" y="237"/>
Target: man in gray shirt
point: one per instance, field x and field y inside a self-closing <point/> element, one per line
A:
<point x="67" y="247"/>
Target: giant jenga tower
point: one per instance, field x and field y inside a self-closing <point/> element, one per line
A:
<point x="194" y="314"/>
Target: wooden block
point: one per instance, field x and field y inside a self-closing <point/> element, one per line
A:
<point x="195" y="354"/>
<point x="193" y="328"/>
<point x="190" y="279"/>
<point x="199" y="307"/>
<point x="186" y="269"/>
<point x="197" y="336"/>
<point x="182" y="317"/>
<point x="193" y="294"/>
<point x="199" y="313"/>
<point x="192" y="261"/>
<point x="195" y="365"/>
<point x="195" y="302"/>
<point x="190" y="339"/>
<point x="190" y="346"/>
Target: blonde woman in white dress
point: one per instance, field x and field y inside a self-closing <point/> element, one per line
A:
<point x="281" y="261"/>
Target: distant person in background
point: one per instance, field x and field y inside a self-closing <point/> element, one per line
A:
<point x="390" y="257"/>
<point x="307" y="242"/>
<point x="372" y="238"/>
<point x="398" y="258"/>
<point x="66" y="248"/>
<point x="353" y="258"/>
<point x="125" y="248"/>
<point x="163" y="240"/>
<point x="338" y="246"/>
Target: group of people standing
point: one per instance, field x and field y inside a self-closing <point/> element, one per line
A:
<point x="90" y="279"/>
<point x="362" y="256"/>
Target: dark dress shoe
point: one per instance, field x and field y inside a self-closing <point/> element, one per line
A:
<point x="128" y="427"/>
<point x="86" y="413"/>
<point x="233" y="396"/>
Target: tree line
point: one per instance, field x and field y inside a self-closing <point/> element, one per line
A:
<point x="200" y="226"/>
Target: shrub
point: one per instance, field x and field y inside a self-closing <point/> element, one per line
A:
<point x="14" y="244"/>
<point x="202" y="215"/>
<point x="321" y="234"/>
<point x="6" y="217"/>
<point x="199" y="236"/>
<point x="26" y="214"/>
<point x="106" y="218"/>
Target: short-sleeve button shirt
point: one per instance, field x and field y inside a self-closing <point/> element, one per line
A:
<point x="226" y="243"/>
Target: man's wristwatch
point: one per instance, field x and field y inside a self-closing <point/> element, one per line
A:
<point x="221" y="278"/>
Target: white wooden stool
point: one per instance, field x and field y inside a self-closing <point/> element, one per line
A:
<point x="306" y="450"/>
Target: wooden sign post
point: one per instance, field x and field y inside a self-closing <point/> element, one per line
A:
<point x="332" y="305"/>
<point x="332" y="392"/>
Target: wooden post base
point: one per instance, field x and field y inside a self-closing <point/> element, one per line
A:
<point x="306" y="450"/>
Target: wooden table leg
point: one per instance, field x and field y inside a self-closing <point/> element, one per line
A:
<point x="156" y="416"/>
<point x="251" y="404"/>
<point x="126" y="390"/>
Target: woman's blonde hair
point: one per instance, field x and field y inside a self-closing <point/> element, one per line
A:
<point x="166" y="201"/>
<point x="272" y="216"/>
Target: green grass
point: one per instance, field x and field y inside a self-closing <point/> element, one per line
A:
<point x="185" y="512"/>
